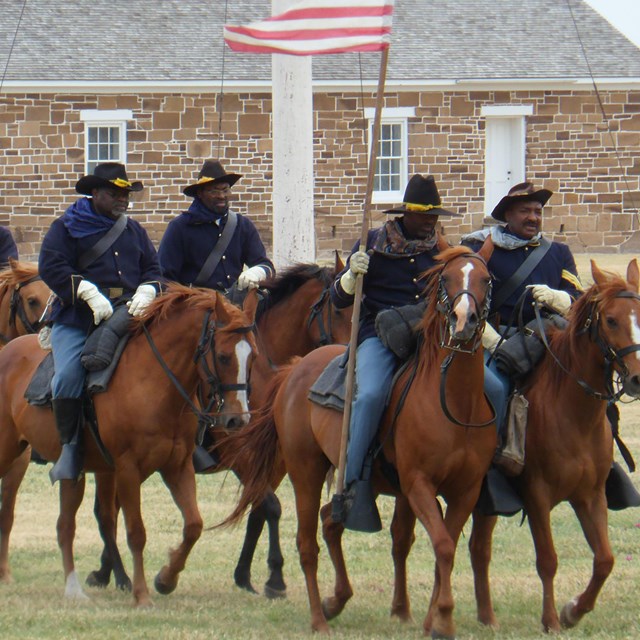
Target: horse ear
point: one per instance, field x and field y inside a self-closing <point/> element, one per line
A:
<point x="339" y="265"/>
<point x="598" y="276"/>
<point x="442" y="244"/>
<point x="250" y="304"/>
<point x="486" y="250"/>
<point x="633" y="275"/>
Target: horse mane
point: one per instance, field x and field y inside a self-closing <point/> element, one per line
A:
<point x="286" y="283"/>
<point x="177" y="296"/>
<point x="430" y="320"/>
<point x="565" y="343"/>
<point x="18" y="272"/>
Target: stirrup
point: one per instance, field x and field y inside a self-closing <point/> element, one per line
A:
<point x="68" y="466"/>
<point x="620" y="491"/>
<point x="203" y="461"/>
<point x="360" y="508"/>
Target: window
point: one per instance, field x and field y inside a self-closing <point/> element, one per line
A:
<point x="392" y="162"/>
<point x="105" y="136"/>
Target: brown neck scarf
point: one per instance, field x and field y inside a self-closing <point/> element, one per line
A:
<point x="391" y="239"/>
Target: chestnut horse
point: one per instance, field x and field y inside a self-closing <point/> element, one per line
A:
<point x="187" y="340"/>
<point x="23" y="300"/>
<point x="569" y="447"/>
<point x="299" y="317"/>
<point x="432" y="453"/>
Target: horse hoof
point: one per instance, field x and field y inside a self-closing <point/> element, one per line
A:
<point x="567" y="619"/>
<point x="332" y="607"/>
<point x="274" y="594"/>
<point x="163" y="588"/>
<point x="440" y="636"/>
<point x="124" y="585"/>
<point x="94" y="579"/>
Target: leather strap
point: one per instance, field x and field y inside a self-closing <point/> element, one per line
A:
<point x="93" y="253"/>
<point x="517" y="278"/>
<point x="221" y="246"/>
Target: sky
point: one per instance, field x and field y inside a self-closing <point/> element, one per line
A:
<point x="622" y="14"/>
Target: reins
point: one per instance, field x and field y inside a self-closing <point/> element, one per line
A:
<point x="317" y="308"/>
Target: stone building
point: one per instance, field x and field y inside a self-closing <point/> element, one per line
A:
<point x="479" y="93"/>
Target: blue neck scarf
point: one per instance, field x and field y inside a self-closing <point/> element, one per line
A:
<point x="81" y="220"/>
<point x="199" y="214"/>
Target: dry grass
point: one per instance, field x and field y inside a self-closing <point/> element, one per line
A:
<point x="207" y="605"/>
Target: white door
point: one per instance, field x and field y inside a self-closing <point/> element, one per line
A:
<point x="504" y="158"/>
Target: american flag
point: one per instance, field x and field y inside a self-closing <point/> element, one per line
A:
<point x="313" y="27"/>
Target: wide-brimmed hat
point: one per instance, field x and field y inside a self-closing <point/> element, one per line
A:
<point x="523" y="192"/>
<point x="421" y="196"/>
<point x="211" y="171"/>
<point x="107" y="174"/>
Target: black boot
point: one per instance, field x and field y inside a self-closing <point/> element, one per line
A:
<point x="67" y="413"/>
<point x="498" y="497"/>
<point x="621" y="494"/>
<point x="203" y="461"/>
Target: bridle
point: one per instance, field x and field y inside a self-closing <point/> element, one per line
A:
<point x="16" y="309"/>
<point x="211" y="400"/>
<point x="316" y="315"/>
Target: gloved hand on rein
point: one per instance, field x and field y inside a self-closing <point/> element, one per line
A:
<point x="99" y="304"/>
<point x="555" y="299"/>
<point x="490" y="338"/>
<point x="358" y="265"/>
<point x="251" y="278"/>
<point x="141" y="299"/>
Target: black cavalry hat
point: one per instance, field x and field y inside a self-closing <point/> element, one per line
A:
<point x="107" y="174"/>
<point x="211" y="171"/>
<point x="523" y="192"/>
<point x="421" y="195"/>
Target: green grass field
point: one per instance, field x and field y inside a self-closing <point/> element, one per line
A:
<point x="206" y="603"/>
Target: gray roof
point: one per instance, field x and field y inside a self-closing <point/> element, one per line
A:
<point x="181" y="40"/>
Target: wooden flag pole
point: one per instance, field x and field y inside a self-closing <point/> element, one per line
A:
<point x="355" y="317"/>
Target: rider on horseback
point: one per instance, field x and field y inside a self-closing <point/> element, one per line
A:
<point x="208" y="245"/>
<point x="396" y="255"/>
<point x="91" y="257"/>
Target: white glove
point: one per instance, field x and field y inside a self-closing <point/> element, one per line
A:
<point x="559" y="301"/>
<point x="98" y="303"/>
<point x="490" y="338"/>
<point x="144" y="294"/>
<point x="251" y="278"/>
<point x="358" y="264"/>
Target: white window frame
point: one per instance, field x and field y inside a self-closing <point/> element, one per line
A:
<point x="115" y="118"/>
<point x="392" y="115"/>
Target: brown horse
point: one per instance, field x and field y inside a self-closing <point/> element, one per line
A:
<point x="299" y="318"/>
<point x="23" y="299"/>
<point x="432" y="453"/>
<point x="569" y="447"/>
<point x="188" y="339"/>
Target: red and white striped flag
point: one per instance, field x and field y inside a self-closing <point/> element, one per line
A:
<point x="312" y="27"/>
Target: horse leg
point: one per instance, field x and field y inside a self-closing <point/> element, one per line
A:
<point x="275" y="587"/>
<point x="9" y="492"/>
<point x="71" y="494"/>
<point x="546" y="561"/>
<point x="182" y="484"/>
<point x="255" y="525"/>
<point x="128" y="484"/>
<point x="480" y="545"/>
<point x="105" y="509"/>
<point x="342" y="591"/>
<point x="402" y="537"/>
<point x="423" y="501"/>
<point x="593" y="518"/>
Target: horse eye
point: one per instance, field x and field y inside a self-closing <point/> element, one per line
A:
<point x="611" y="322"/>
<point x="224" y="360"/>
<point x="33" y="302"/>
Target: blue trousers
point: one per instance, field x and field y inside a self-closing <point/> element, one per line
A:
<point x="497" y="386"/>
<point x="66" y="344"/>
<point x="375" y="366"/>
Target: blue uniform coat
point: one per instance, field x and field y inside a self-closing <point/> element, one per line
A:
<point x="190" y="238"/>
<point x="8" y="248"/>
<point x="392" y="280"/>
<point x="129" y="262"/>
<point x="557" y="270"/>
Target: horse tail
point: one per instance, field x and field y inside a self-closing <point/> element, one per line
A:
<point x="256" y="452"/>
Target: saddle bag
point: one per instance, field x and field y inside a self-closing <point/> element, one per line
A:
<point x="518" y="355"/>
<point x="396" y="328"/>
